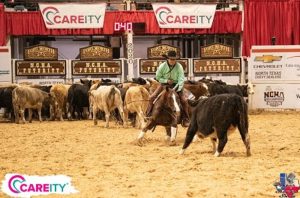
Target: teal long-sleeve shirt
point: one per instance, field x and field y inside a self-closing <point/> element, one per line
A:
<point x="163" y="74"/>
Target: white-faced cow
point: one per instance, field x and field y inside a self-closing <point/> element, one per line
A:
<point x="27" y="97"/>
<point x="107" y="99"/>
<point x="216" y="117"/>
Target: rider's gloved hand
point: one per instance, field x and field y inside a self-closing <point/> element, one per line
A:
<point x="179" y="91"/>
<point x="170" y="82"/>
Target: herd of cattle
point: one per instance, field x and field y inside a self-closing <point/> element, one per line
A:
<point x="222" y="107"/>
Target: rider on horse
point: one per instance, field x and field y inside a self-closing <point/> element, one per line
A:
<point x="171" y="73"/>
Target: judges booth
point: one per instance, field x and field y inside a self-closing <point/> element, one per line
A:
<point x="40" y="66"/>
<point x="147" y="67"/>
<point x="217" y="61"/>
<point x="96" y="62"/>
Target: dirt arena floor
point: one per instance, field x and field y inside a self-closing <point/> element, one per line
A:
<point x="106" y="163"/>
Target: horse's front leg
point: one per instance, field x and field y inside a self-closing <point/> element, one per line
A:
<point x="140" y="140"/>
<point x="173" y="135"/>
<point x="168" y="133"/>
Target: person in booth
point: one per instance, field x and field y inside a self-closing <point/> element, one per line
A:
<point x="171" y="73"/>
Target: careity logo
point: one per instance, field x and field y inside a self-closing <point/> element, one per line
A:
<point x="53" y="17"/>
<point x="50" y="13"/>
<point x="17" y="185"/>
<point x="72" y="15"/>
<point x="184" y="16"/>
<point x="163" y="13"/>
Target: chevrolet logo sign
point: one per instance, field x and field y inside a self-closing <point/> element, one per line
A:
<point x="267" y="58"/>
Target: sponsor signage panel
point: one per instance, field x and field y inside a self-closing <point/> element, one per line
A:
<point x="184" y="16"/>
<point x="150" y="66"/>
<point x="158" y="51"/>
<point x="95" y="52"/>
<point x="216" y="50"/>
<point x="5" y="65"/>
<point x="40" y="68"/>
<point x="40" y="52"/>
<point x="276" y="96"/>
<point x="42" y="81"/>
<point x="96" y="67"/>
<point x="232" y="65"/>
<point x="274" y="64"/>
<point x="73" y="15"/>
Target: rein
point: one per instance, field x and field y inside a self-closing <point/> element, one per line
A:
<point x="135" y="101"/>
<point x="170" y="113"/>
<point x="165" y="109"/>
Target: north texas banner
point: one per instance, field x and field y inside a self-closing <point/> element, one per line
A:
<point x="72" y="15"/>
<point x="184" y="16"/>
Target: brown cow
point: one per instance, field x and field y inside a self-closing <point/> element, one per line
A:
<point x="136" y="101"/>
<point x="27" y="97"/>
<point x="59" y="93"/>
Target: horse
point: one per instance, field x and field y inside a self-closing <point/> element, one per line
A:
<point x="166" y="112"/>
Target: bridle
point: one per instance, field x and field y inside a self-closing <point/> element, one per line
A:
<point x="167" y="110"/>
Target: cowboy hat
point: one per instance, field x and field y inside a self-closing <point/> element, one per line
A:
<point x="171" y="55"/>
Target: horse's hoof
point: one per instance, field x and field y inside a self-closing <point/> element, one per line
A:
<point x="248" y="154"/>
<point x="140" y="142"/>
<point x="167" y="138"/>
<point x="172" y="143"/>
<point x="217" y="154"/>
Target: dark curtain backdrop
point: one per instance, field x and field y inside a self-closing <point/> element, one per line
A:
<point x="265" y="19"/>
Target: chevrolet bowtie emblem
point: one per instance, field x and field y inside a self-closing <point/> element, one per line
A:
<point x="267" y="58"/>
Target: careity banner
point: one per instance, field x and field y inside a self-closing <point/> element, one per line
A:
<point x="184" y="16"/>
<point x="73" y="15"/>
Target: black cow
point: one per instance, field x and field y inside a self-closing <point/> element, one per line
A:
<point x="241" y="90"/>
<point x="216" y="117"/>
<point x="139" y="80"/>
<point x="78" y="99"/>
<point x="6" y="99"/>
